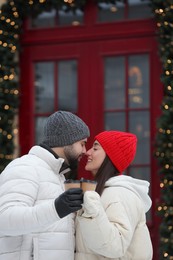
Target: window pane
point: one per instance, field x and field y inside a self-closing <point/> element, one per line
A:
<point x="130" y="9"/>
<point x="58" y="18"/>
<point x="44" y="20"/>
<point x="44" y="87"/>
<point x="114" y="68"/>
<point x="139" y="124"/>
<point x="67" y="85"/>
<point x="115" y="121"/>
<point x="139" y="9"/>
<point x="139" y="81"/>
<point x="39" y="126"/>
<point x="70" y="18"/>
<point x="142" y="173"/>
<point x="110" y="12"/>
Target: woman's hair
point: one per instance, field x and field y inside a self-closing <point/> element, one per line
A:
<point x="105" y="172"/>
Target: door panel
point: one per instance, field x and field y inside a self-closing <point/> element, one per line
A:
<point x="111" y="84"/>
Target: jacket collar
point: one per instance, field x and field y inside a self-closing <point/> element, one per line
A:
<point x="57" y="164"/>
<point x="64" y="166"/>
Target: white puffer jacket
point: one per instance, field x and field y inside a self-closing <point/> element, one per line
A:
<point x="30" y="228"/>
<point x="114" y="226"/>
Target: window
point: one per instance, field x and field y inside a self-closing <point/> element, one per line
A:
<point x="127" y="10"/>
<point x="59" y="18"/>
<point x="127" y="103"/>
<point x="127" y="106"/>
<point x="55" y="88"/>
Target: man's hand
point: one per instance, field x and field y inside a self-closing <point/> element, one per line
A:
<point x="69" y="201"/>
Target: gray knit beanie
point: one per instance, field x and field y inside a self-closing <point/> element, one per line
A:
<point x="64" y="128"/>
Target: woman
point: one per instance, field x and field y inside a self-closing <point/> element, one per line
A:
<point x="112" y="223"/>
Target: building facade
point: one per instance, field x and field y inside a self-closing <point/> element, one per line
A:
<point x="102" y="64"/>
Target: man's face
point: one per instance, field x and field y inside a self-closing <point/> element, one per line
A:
<point x="75" y="152"/>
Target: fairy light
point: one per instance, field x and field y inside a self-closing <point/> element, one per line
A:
<point x="15" y="14"/>
<point x="68" y="1"/>
<point x="11" y="3"/>
<point x="168" y="131"/>
<point x="161" y="185"/>
<point x="167" y="166"/>
<point x="162" y="154"/>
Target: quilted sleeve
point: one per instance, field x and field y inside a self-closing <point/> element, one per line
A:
<point x="107" y="232"/>
<point x="18" y="212"/>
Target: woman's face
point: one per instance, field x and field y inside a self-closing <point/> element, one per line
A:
<point x="96" y="156"/>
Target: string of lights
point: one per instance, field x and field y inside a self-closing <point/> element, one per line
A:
<point x="9" y="34"/>
<point x="163" y="12"/>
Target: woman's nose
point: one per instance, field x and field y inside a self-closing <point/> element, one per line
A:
<point x="88" y="152"/>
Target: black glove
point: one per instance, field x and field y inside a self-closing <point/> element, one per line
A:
<point x="69" y="201"/>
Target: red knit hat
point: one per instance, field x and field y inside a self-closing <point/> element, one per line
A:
<point x="120" y="147"/>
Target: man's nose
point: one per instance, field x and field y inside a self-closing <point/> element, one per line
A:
<point x="84" y="150"/>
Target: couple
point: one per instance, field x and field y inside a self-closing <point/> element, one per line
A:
<point x="40" y="221"/>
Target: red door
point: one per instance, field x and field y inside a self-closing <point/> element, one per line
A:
<point x="108" y="93"/>
<point x="108" y="74"/>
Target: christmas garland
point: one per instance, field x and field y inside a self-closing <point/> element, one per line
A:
<point x="163" y="12"/>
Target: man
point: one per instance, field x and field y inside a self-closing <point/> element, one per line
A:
<point x="35" y="219"/>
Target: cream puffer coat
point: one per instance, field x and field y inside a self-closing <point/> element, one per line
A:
<point x="30" y="228"/>
<point x="114" y="226"/>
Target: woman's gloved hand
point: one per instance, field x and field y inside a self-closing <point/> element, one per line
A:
<point x="92" y="204"/>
